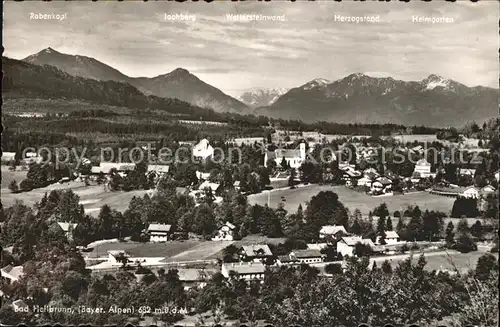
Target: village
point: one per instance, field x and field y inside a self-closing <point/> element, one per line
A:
<point x="226" y="250"/>
<point x="311" y="163"/>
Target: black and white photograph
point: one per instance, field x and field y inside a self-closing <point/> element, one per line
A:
<point x="252" y="163"/>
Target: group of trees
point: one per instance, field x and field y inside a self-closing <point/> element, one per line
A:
<point x="465" y="207"/>
<point x="41" y="175"/>
<point x="403" y="294"/>
<point x="463" y="239"/>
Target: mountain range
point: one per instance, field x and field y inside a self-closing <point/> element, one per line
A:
<point x="260" y="97"/>
<point x="22" y="80"/>
<point x="433" y="101"/>
<point x="179" y="83"/>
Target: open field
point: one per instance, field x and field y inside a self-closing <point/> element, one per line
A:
<point x="414" y="137"/>
<point x="463" y="261"/>
<point x="8" y="176"/>
<point x="249" y="240"/>
<point x="92" y="197"/>
<point x="352" y="199"/>
<point x="201" y="251"/>
<point x="145" y="250"/>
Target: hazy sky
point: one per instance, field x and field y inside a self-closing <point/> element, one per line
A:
<point x="135" y="38"/>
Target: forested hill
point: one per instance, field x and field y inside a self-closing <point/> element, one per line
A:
<point x="28" y="80"/>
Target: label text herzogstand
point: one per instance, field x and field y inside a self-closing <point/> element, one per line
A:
<point x="356" y="19"/>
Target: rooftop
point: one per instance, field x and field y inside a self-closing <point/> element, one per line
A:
<point x="116" y="253"/>
<point x="212" y="186"/>
<point x="353" y="240"/>
<point x="158" y="168"/>
<point x="155" y="227"/>
<point x="13" y="272"/>
<point x="280" y="153"/>
<point x="245" y="268"/>
<point x="191" y="274"/>
<point x="287" y="258"/>
<point x="332" y="229"/>
<point x="67" y="226"/>
<point x="257" y="250"/>
<point x="391" y="234"/>
<point x="309" y="253"/>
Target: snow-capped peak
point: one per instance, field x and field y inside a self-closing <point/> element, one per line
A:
<point x="433" y="81"/>
<point x="49" y="50"/>
<point x="262" y="96"/>
<point x="317" y="82"/>
<point x="321" y="81"/>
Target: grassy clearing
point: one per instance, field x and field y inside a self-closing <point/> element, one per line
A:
<point x="145" y="250"/>
<point x="352" y="199"/>
<point x="8" y="176"/>
<point x="201" y="251"/>
<point x="463" y="261"/>
<point x="93" y="197"/>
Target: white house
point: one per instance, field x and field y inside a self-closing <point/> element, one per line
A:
<point x="67" y="228"/>
<point x="159" y="232"/>
<point x="106" y="167"/>
<point x="334" y="231"/>
<point x="255" y="252"/>
<point x="497" y="175"/>
<point x="365" y="181"/>
<point x="8" y="156"/>
<point x="19" y="305"/>
<point x="351" y="176"/>
<point x="467" y="172"/>
<point x="470" y="192"/>
<point x="346" y="245"/>
<point x="382" y="185"/>
<point x="248" y="140"/>
<point x="114" y="256"/>
<point x="371" y="171"/>
<point x="346" y="166"/>
<point x="308" y="256"/>
<point x="32" y="159"/>
<point x="488" y="189"/>
<point x="423" y="168"/>
<point x="417" y="149"/>
<point x="12" y="273"/>
<point x="294" y="158"/>
<point x="158" y="169"/>
<point x="213" y="186"/>
<point x="202" y="176"/>
<point x="203" y="149"/>
<point x="225" y="233"/>
<point x="191" y="277"/>
<point x="282" y="260"/>
<point x="391" y="237"/>
<point x="247" y="271"/>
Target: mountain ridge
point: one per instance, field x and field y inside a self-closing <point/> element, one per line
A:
<point x="364" y="99"/>
<point x="179" y="83"/>
<point x="355" y="98"/>
<point x="25" y="80"/>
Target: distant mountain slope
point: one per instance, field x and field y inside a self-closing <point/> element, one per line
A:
<point x="434" y="101"/>
<point x="183" y="85"/>
<point x="77" y="65"/>
<point x="261" y="97"/>
<point x="28" y="80"/>
<point x="178" y="84"/>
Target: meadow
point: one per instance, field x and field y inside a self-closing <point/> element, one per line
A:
<point x="352" y="199"/>
<point x="92" y="197"/>
<point x="136" y="249"/>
